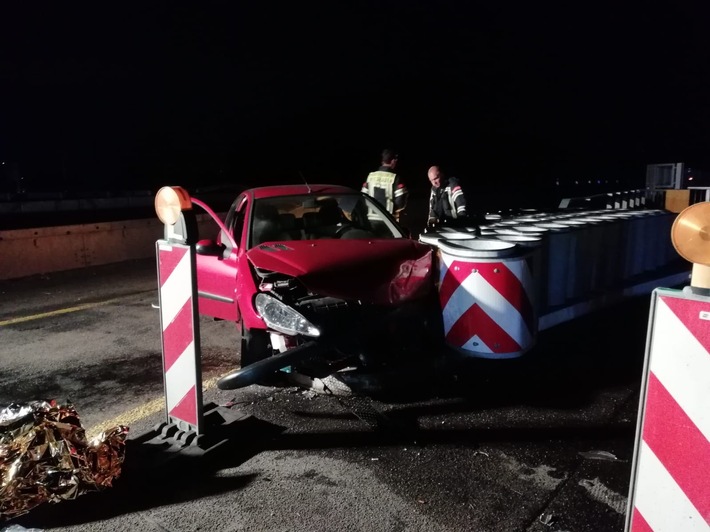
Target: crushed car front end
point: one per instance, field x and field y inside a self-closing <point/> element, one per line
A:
<point x="369" y="323"/>
<point x="340" y="284"/>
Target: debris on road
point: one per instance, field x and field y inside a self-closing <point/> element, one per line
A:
<point x="599" y="455"/>
<point x="46" y="457"/>
<point x="599" y="492"/>
<point x="547" y="519"/>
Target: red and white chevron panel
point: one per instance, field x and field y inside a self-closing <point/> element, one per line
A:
<point x="670" y="483"/>
<point x="487" y="305"/>
<point x="180" y="335"/>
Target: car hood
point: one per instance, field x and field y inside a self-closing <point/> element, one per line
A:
<point x="380" y="271"/>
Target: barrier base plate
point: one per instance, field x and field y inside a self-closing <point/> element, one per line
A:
<point x="166" y="440"/>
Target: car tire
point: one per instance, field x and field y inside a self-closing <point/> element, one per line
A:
<point x="255" y="345"/>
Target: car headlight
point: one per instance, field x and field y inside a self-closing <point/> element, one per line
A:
<point x="283" y="318"/>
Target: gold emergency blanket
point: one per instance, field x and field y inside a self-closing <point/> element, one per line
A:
<point x="45" y="456"/>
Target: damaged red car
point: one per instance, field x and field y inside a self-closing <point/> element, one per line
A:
<point x="319" y="279"/>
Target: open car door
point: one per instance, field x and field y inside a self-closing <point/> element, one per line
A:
<point x="217" y="265"/>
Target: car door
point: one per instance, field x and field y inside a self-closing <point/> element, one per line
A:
<point x="217" y="262"/>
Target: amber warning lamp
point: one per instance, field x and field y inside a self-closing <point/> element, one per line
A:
<point x="690" y="235"/>
<point x="170" y="202"/>
<point x="174" y="208"/>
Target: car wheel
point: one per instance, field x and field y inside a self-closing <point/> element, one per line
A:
<point x="256" y="345"/>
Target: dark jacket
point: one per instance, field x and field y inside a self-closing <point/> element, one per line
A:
<point x="447" y="202"/>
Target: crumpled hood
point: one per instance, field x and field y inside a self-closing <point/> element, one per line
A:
<point x="380" y="271"/>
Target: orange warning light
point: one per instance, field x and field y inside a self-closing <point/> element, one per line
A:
<point x="690" y="233"/>
<point x="169" y="202"/>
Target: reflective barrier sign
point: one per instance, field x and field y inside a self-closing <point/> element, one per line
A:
<point x="180" y="335"/>
<point x="670" y="482"/>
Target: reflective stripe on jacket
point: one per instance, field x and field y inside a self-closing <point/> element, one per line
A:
<point x="386" y="188"/>
<point x="447" y="203"/>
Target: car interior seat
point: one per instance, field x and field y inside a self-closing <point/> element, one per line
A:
<point x="289" y="224"/>
<point x="330" y="213"/>
<point x="310" y="224"/>
<point x="267" y="225"/>
<point x="329" y="219"/>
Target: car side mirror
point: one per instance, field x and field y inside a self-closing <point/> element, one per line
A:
<point x="209" y="248"/>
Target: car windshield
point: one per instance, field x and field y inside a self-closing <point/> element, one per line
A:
<point x="308" y="217"/>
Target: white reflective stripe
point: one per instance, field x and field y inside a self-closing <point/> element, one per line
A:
<point x="456" y="193"/>
<point x="176" y="290"/>
<point x="477" y="345"/>
<point x="519" y="268"/>
<point x="180" y="377"/>
<point x="450" y="199"/>
<point x="682" y="365"/>
<point x="400" y="192"/>
<point x="505" y="315"/>
<point x="461" y="209"/>
<point x="522" y="272"/>
<point x="659" y="499"/>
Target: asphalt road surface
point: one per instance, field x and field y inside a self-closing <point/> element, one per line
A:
<point x="541" y="443"/>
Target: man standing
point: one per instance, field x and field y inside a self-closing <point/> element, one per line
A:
<point x="447" y="204"/>
<point x="386" y="186"/>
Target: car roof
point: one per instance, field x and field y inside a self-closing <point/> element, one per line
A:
<point x="299" y="189"/>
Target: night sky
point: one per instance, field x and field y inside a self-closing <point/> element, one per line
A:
<point x="138" y="95"/>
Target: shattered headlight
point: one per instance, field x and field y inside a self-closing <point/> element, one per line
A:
<point x="283" y="318"/>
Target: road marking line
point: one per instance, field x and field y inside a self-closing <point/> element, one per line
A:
<point x="141" y="412"/>
<point x="85" y="306"/>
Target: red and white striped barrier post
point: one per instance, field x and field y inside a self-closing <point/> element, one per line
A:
<point x="670" y="480"/>
<point x="179" y="316"/>
<point x="670" y="476"/>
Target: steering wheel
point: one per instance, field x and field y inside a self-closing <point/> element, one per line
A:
<point x="342" y="230"/>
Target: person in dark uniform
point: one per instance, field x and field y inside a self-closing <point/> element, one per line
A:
<point x="386" y="186"/>
<point x="447" y="203"/>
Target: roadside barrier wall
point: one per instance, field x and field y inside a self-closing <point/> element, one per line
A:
<point x="25" y="252"/>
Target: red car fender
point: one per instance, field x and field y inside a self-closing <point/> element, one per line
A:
<point x="246" y="291"/>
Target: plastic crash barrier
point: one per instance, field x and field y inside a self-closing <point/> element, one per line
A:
<point x="487" y="297"/>
<point x="434" y="237"/>
<point x="569" y="260"/>
<point x="559" y="245"/>
<point x="536" y="244"/>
